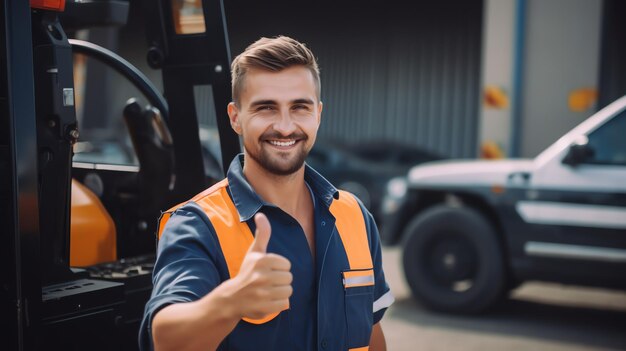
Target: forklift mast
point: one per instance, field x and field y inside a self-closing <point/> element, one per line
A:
<point x="44" y="302"/>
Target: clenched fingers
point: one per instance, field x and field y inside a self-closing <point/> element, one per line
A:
<point x="277" y="305"/>
<point x="276" y="262"/>
<point x="280" y="278"/>
<point x="281" y="292"/>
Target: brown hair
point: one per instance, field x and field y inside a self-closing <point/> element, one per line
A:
<point x="272" y="54"/>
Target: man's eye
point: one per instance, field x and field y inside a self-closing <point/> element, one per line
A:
<point x="265" y="108"/>
<point x="301" y="107"/>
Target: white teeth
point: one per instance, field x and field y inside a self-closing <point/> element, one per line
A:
<point x="282" y="143"/>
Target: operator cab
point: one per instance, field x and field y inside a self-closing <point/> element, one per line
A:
<point x="98" y="162"/>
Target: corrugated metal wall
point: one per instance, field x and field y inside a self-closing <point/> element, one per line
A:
<point x="389" y="71"/>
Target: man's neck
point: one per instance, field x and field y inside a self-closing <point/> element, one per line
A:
<point x="288" y="192"/>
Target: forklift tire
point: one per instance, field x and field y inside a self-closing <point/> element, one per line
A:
<point x="453" y="261"/>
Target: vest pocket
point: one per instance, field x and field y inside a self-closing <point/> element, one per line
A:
<point x="359" y="302"/>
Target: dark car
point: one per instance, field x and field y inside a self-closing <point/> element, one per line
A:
<point x="360" y="170"/>
<point x="393" y="153"/>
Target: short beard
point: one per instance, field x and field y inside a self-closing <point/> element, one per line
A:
<point x="277" y="168"/>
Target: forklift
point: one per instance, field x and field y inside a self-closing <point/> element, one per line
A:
<point x="78" y="238"/>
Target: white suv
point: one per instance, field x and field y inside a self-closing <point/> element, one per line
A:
<point x="471" y="230"/>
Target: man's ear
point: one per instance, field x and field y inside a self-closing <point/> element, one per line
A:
<point x="233" y="115"/>
<point x="319" y="113"/>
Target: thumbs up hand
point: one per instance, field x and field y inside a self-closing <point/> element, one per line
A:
<point x="263" y="285"/>
<point x="262" y="234"/>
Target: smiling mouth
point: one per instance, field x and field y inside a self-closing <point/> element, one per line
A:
<point x="282" y="143"/>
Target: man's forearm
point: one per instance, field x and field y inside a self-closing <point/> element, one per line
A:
<point x="198" y="325"/>
<point x="377" y="340"/>
<point x="262" y="287"/>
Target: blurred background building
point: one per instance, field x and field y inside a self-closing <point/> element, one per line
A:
<point x="460" y="78"/>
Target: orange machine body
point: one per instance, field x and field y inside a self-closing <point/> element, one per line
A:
<point x="92" y="230"/>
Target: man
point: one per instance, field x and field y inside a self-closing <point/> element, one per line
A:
<point x="311" y="276"/>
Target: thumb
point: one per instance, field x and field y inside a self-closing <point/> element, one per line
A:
<point x="262" y="234"/>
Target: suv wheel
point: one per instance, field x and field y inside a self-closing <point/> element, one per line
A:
<point x="452" y="260"/>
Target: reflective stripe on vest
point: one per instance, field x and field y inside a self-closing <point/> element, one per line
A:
<point x="235" y="237"/>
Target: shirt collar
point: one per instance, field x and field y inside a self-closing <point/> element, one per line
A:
<point x="248" y="202"/>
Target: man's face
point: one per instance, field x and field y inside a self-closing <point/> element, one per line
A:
<point x="278" y="118"/>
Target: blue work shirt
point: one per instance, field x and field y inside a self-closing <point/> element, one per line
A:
<point x="322" y="314"/>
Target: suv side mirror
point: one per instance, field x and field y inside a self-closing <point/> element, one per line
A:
<point x="578" y="153"/>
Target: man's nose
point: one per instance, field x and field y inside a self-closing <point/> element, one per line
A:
<point x="285" y="124"/>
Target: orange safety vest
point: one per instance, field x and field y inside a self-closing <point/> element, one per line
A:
<point x="235" y="236"/>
